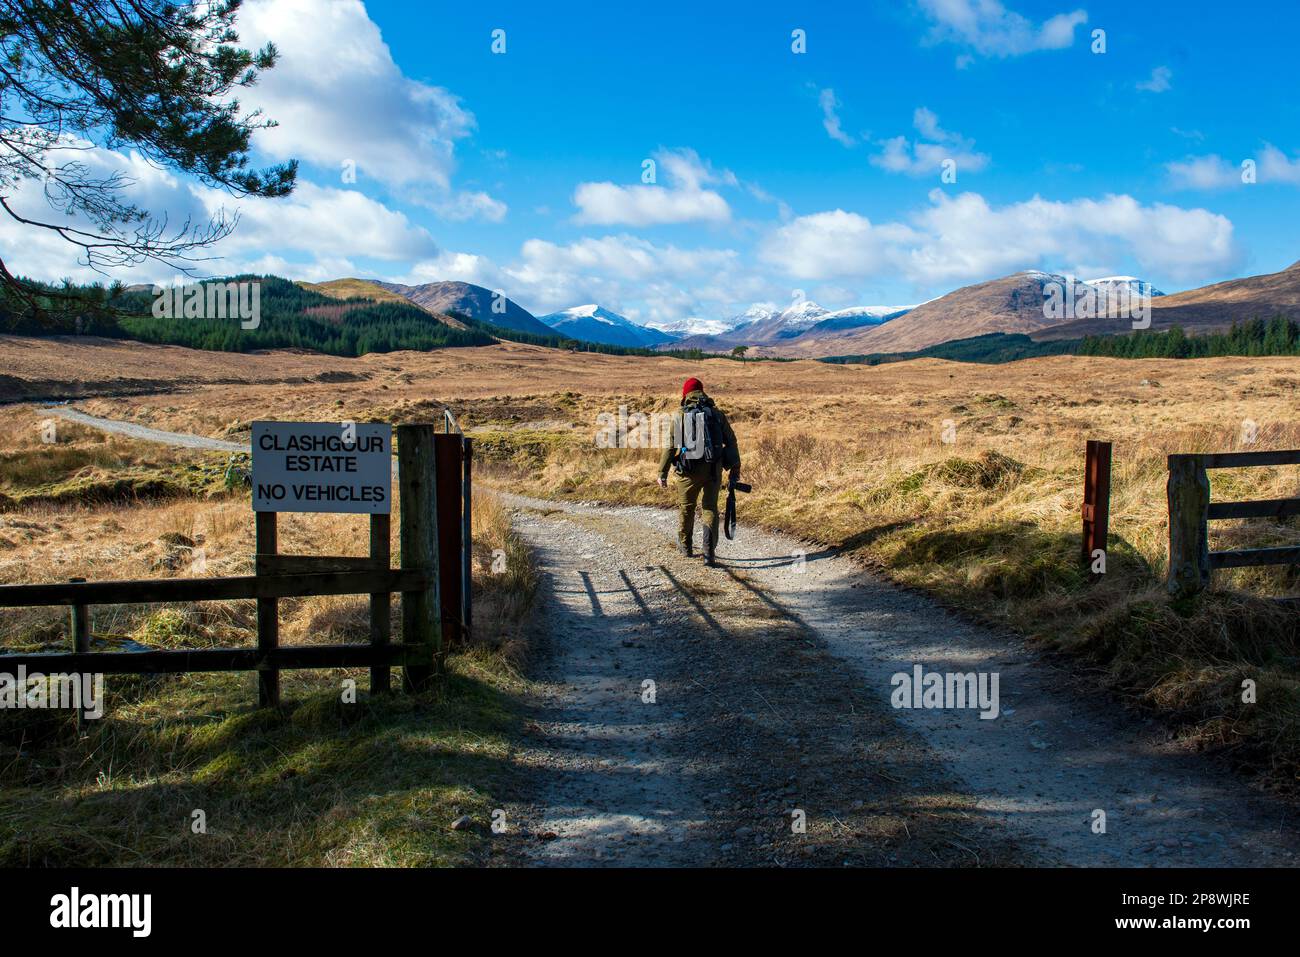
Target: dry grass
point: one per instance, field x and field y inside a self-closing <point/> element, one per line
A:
<point x="49" y="461"/>
<point x="323" y="782"/>
<point x="855" y="457"/>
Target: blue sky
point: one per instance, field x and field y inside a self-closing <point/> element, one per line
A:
<point x="776" y="172"/>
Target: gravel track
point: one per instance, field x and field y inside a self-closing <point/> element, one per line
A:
<point x="738" y="716"/>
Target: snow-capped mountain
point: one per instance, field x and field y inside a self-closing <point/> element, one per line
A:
<point x="593" y="323"/>
<point x="802" y="315"/>
<point x="1116" y="285"/>
<point x="767" y="324"/>
<point x="856" y="317"/>
<point x="763" y="322"/>
<point x="693" y="326"/>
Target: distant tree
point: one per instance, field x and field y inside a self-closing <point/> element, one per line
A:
<point x="153" y="75"/>
<point x="739" y="352"/>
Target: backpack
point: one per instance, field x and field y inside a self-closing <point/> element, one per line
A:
<point x="699" y="435"/>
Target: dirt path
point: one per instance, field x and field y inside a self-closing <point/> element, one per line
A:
<point x="771" y="704"/>
<point x="773" y="692"/>
<point x="143" y="432"/>
<point x="749" y="729"/>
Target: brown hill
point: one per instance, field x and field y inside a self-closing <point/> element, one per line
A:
<point x="467" y="299"/>
<point x="365" y="289"/>
<point x="1010" y="304"/>
<point x="1207" y="309"/>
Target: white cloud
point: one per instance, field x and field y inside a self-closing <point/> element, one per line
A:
<point x="989" y="28"/>
<point x="901" y="155"/>
<point x="339" y="97"/>
<point x="964" y="238"/>
<point x="317" y="227"/>
<point x="462" y="206"/>
<point x="1159" y="81"/>
<point x="624" y="257"/>
<point x="830" y="119"/>
<point x="968" y="238"/>
<point x="1214" y="172"/>
<point x="640" y="279"/>
<point x="1275" y="167"/>
<point x="684" y="200"/>
<point x="321" y="221"/>
<point x="835" y="244"/>
<point x="927" y="124"/>
<point x="1203" y="172"/>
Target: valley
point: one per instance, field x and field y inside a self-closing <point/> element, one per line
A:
<point x="972" y="541"/>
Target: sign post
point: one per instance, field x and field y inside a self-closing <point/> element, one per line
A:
<point x="418" y="532"/>
<point x="342" y="467"/>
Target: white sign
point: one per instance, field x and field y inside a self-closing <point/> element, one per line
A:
<point x="322" y="467"/>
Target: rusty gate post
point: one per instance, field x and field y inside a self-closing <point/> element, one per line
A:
<point x="467" y="541"/>
<point x="448" y="454"/>
<point x="1096" y="502"/>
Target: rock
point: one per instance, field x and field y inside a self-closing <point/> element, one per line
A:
<point x="462" y="823"/>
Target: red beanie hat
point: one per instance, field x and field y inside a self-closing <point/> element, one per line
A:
<point x="692" y="385"/>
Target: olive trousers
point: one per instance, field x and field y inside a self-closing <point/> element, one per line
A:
<point x="701" y="487"/>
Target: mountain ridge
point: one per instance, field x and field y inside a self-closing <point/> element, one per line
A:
<point x="595" y="323"/>
<point x="467" y="299"/>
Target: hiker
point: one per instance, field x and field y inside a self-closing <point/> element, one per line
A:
<point x="702" y="446"/>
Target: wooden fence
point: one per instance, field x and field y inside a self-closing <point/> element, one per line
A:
<point x="1191" y="511"/>
<point x="433" y="474"/>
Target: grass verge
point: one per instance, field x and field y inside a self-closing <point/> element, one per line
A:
<point x="185" y="771"/>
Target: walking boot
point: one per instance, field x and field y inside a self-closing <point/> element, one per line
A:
<point x="685" y="548"/>
<point x="710" y="541"/>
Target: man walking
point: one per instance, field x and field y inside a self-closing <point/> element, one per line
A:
<point x="702" y="446"/>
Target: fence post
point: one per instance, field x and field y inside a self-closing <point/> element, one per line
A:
<point x="268" y="619"/>
<point x="380" y="602"/>
<point x="1189" y="516"/>
<point x="449" y="451"/>
<point x="418" y="534"/>
<point x="466" y="541"/>
<point x="80" y="624"/>
<point x="1096" y="501"/>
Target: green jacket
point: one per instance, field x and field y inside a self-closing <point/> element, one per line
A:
<point x="730" y="458"/>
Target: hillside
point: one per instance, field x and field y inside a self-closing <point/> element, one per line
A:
<point x="1207" y="309"/>
<point x="290" y="315"/>
<point x="855" y="317"/>
<point x="1016" y="305"/>
<point x="366" y="289"/>
<point x="466" y="299"/>
<point x="1012" y="304"/>
<point x="353" y="289"/>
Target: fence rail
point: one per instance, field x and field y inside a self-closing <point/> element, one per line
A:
<point x="159" y="590"/>
<point x="1191" y="511"/>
